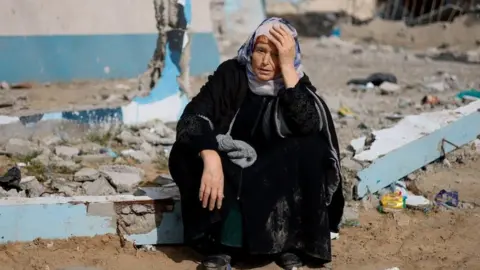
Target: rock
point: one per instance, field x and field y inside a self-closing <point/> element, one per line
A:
<point x="137" y="155"/>
<point x="150" y="136"/>
<point x="149" y="149"/>
<point x="66" y="165"/>
<point x="351" y="165"/>
<point x="163" y="130"/>
<point x="163" y="179"/>
<point x="86" y="174"/>
<point x="69" y="188"/>
<point x="43" y="159"/>
<point x="100" y="187"/>
<point x="167" y="141"/>
<point x="123" y="178"/>
<point x="473" y="56"/>
<point x="435" y="86"/>
<point x="21" y="148"/>
<point x="94" y="159"/>
<point x="89" y="148"/>
<point x="51" y="140"/>
<point x="66" y="151"/>
<point x="127" y="138"/>
<point x="11" y="193"/>
<point x="140" y="209"/>
<point x="350" y="216"/>
<point x="32" y="187"/>
<point x="387" y="88"/>
<point x="126" y="210"/>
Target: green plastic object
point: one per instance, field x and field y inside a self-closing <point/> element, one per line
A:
<point x="469" y="93"/>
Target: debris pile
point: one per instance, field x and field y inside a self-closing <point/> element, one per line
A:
<point x="106" y="161"/>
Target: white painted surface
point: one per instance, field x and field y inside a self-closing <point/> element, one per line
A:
<point x="201" y="18"/>
<point x="167" y="110"/>
<point x="73" y="17"/>
<point x="152" y="193"/>
<point x="407" y="130"/>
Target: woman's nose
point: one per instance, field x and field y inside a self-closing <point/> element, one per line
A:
<point x="266" y="59"/>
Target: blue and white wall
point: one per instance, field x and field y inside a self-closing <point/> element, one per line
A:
<point x="64" y="40"/>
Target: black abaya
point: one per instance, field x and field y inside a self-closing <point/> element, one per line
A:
<point x="282" y="196"/>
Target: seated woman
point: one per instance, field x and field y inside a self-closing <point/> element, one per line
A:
<point x="256" y="157"/>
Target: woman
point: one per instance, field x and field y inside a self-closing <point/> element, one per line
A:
<point x="256" y="157"/>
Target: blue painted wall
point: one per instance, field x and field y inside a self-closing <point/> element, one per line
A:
<point x="65" y="58"/>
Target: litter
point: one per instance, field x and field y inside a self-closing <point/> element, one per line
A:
<point x="392" y="202"/>
<point x="448" y="199"/>
<point x="375" y="78"/>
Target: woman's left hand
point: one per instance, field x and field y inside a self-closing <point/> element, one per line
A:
<point x="285" y="44"/>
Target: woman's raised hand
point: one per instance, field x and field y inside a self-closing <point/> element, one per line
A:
<point x="211" y="187"/>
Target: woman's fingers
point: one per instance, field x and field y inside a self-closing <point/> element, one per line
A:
<point x="213" y="199"/>
<point x="277" y="35"/>
<point x="206" y="196"/>
<point x="202" y="190"/>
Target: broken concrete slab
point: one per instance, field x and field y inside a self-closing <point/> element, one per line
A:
<point x="414" y="142"/>
<point x="25" y="219"/>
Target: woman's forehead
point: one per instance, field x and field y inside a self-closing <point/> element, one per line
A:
<point x="264" y="41"/>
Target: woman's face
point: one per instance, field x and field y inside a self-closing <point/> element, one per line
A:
<point x="265" y="62"/>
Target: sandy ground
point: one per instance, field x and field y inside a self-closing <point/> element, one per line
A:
<point x="463" y="33"/>
<point x="408" y="240"/>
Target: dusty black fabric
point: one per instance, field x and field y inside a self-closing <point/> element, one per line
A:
<point x="282" y="195"/>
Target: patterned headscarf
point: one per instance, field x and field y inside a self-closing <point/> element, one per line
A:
<point x="244" y="56"/>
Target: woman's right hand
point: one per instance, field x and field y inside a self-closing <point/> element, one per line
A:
<point x="211" y="187"/>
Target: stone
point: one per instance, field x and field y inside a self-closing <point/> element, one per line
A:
<point x="21" y="148"/>
<point x="32" y="186"/>
<point x="127" y="138"/>
<point x="69" y="188"/>
<point x="387" y="88"/>
<point x="435" y="86"/>
<point x="93" y="159"/>
<point x="137" y="155"/>
<point x="351" y="165"/>
<point x="473" y="56"/>
<point x="148" y="149"/>
<point x="123" y="178"/>
<point x="167" y="141"/>
<point x="86" y="174"/>
<point x="51" y="140"/>
<point x="100" y="187"/>
<point x="350" y="216"/>
<point x="163" y="179"/>
<point x="163" y="130"/>
<point x="11" y="193"/>
<point x="150" y="136"/>
<point x="126" y="210"/>
<point x="66" y="165"/>
<point x="66" y="151"/>
<point x="140" y="209"/>
<point x="43" y="159"/>
<point x="89" y="148"/>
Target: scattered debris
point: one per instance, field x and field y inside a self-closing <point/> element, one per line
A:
<point x="376" y="79"/>
<point x="447" y="199"/>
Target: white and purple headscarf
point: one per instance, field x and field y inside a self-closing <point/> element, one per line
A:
<point x="244" y="56"/>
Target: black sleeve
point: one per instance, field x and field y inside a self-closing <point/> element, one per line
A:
<point x="196" y="125"/>
<point x="297" y="105"/>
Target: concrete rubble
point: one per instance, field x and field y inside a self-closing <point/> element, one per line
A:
<point x="101" y="163"/>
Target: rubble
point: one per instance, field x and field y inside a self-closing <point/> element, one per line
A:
<point x="103" y="163"/>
